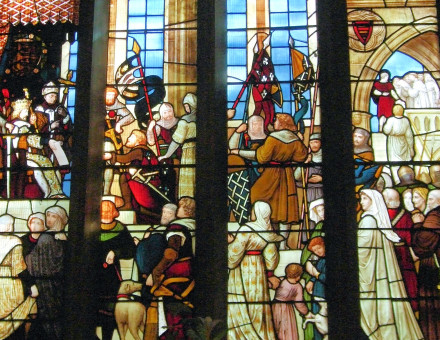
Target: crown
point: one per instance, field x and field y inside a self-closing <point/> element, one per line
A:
<point x="20" y="105"/>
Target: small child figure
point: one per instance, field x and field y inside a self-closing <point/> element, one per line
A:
<point x="289" y="290"/>
<point x="316" y="286"/>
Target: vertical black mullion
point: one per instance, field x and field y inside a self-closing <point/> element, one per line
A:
<point x="87" y="170"/>
<point x="211" y="174"/>
<point x="338" y="179"/>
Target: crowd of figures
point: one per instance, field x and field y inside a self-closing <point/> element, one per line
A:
<point x="273" y="171"/>
<point x="147" y="181"/>
<point x="397" y="237"/>
<point x="253" y="256"/>
<point x="271" y="197"/>
<point x="398" y="267"/>
<point x="398" y="245"/>
<point x="31" y="284"/>
<point x="412" y="91"/>
<point x="150" y="165"/>
<point x="36" y="141"/>
<point x="146" y="160"/>
<point x="408" y="244"/>
<point x="163" y="257"/>
<point x="418" y="90"/>
<point x="274" y="194"/>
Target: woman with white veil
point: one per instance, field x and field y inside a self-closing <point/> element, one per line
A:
<point x="385" y="310"/>
<point x="316" y="214"/>
<point x="15" y="304"/>
<point x="252" y="258"/>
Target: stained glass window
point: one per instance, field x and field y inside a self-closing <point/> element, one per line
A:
<point x="276" y="253"/>
<point x="38" y="64"/>
<point x="394" y="64"/>
<point x="275" y="256"/>
<point x="147" y="238"/>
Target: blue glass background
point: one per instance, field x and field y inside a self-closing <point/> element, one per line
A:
<point x="155" y="7"/>
<point x="237" y="39"/>
<point x="236" y="56"/>
<point x="146" y="24"/>
<point x="278" y="6"/>
<point x="297" y="5"/>
<point x="155" y="22"/>
<point x="236" y="6"/>
<point x="136" y="7"/>
<point x="236" y="21"/>
<point x="136" y="23"/>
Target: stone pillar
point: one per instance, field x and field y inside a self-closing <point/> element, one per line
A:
<point x="210" y="294"/>
<point x="180" y="52"/>
<point x="87" y="167"/>
<point x="338" y="173"/>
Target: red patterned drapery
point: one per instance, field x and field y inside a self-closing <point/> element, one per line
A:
<point x="38" y="11"/>
<point x="4" y="31"/>
<point x="15" y="12"/>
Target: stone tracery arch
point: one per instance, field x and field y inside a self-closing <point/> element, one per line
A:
<point x="422" y="32"/>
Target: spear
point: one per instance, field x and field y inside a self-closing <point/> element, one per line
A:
<point x="137" y="49"/>
<point x="67" y="82"/>
<point x="292" y="46"/>
<point x="297" y="69"/>
<point x="245" y="118"/>
<point x="266" y="43"/>
<point x="304" y="212"/>
<point x="8" y="165"/>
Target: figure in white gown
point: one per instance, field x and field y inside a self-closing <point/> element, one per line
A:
<point x="400" y="139"/>
<point x="386" y="313"/>
<point x="252" y="257"/>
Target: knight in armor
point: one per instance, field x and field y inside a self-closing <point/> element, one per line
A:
<point x="118" y="109"/>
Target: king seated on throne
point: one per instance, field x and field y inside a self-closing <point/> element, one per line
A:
<point x="26" y="155"/>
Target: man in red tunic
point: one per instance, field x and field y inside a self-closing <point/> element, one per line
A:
<point x="384" y="95"/>
<point x="402" y="223"/>
<point x="165" y="124"/>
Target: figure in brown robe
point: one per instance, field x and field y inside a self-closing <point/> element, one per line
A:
<point x="426" y="245"/>
<point x="276" y="185"/>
